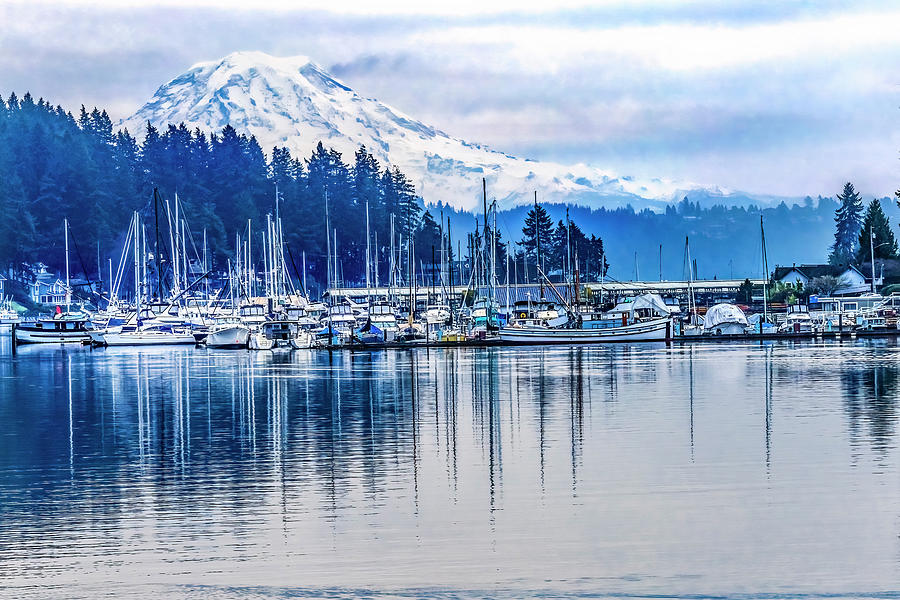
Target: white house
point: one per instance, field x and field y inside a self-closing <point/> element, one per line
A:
<point x="852" y="279"/>
<point x="46" y="288"/>
<point x="48" y="292"/>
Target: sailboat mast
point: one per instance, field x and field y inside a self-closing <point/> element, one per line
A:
<point x="137" y="270"/>
<point x="206" y="266"/>
<point x="537" y="236"/>
<point x="765" y="265"/>
<point x="305" y="292"/>
<point x="494" y="248"/>
<point x="176" y="251"/>
<point x="184" y="257"/>
<point x="249" y="266"/>
<point x="68" y="290"/>
<point x="368" y="256"/>
<point x="691" y="304"/>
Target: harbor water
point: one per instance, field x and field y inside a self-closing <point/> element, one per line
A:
<point x="745" y="469"/>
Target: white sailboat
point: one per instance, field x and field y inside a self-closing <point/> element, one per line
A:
<point x="139" y="333"/>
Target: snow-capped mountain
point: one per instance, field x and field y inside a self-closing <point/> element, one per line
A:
<point x="293" y="103"/>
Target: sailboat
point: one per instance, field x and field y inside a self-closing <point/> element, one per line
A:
<point x="228" y="331"/>
<point x="138" y="332"/>
<point x="64" y="326"/>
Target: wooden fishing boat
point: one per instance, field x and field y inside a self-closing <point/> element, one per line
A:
<point x="654" y="330"/>
<point x="60" y="329"/>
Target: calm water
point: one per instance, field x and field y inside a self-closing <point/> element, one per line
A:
<point x="720" y="470"/>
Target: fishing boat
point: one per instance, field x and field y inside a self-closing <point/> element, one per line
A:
<point x="259" y="341"/>
<point x="485" y="315"/>
<point x="60" y="328"/>
<point x="642" y="319"/>
<point x="641" y="331"/>
<point x="64" y="326"/>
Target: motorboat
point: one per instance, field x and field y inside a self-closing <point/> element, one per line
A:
<point x="797" y="320"/>
<point x="229" y="333"/>
<point x="383" y="318"/>
<point x="725" y="319"/>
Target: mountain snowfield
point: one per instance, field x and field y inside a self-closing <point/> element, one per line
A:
<point x="293" y="103"/>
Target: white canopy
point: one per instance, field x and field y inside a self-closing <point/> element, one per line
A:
<point x="651" y="302"/>
<point x="724" y="313"/>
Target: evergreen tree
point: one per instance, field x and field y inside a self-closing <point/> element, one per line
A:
<point x="884" y="242"/>
<point x="597" y="263"/>
<point x="499" y="252"/>
<point x="408" y="203"/>
<point x="538" y="227"/>
<point x="848" y="219"/>
<point x="555" y="252"/>
<point x="427" y="237"/>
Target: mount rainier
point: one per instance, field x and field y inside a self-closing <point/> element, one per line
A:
<point x="293" y="103"/>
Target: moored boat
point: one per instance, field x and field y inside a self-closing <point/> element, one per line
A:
<point x="154" y="335"/>
<point x="60" y="329"/>
<point x="643" y="331"/>
<point x="228" y="335"/>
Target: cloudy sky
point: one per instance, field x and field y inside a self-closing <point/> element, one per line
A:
<point x="785" y="98"/>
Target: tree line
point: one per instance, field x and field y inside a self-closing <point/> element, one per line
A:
<point x="56" y="165"/>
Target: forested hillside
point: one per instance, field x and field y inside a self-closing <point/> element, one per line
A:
<point x="54" y="164"/>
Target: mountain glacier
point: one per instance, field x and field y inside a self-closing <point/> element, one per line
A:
<point x="293" y="103"/>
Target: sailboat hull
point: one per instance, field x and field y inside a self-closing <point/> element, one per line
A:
<point x="650" y="331"/>
<point x="148" y="339"/>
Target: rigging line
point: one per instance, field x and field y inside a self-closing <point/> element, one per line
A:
<point x="83" y="269"/>
<point x="296" y="270"/>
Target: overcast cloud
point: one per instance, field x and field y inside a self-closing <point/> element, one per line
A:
<point x="773" y="98"/>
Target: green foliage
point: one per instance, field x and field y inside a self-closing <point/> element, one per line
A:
<point x="825" y="285"/>
<point x="745" y="292"/>
<point x="847" y="218"/>
<point x="781" y="293"/>
<point x="53" y="166"/>
<point x="884" y="242"/>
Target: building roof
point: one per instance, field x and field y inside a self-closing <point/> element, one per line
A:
<point x="813" y="271"/>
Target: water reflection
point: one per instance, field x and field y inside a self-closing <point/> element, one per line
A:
<point x="453" y="463"/>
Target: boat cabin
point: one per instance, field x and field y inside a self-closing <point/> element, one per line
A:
<point x="280" y="330"/>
